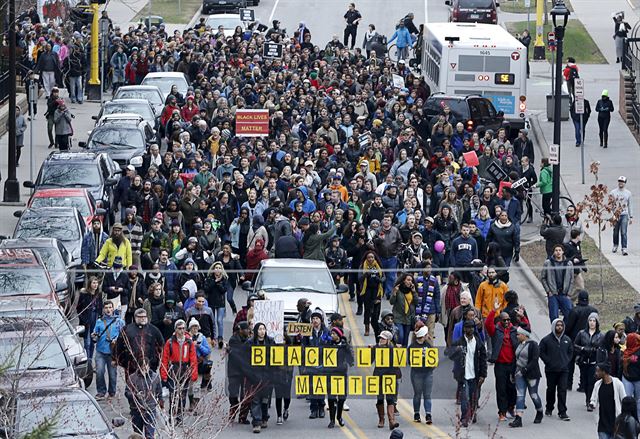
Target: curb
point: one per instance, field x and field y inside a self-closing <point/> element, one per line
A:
<point x="194" y="18"/>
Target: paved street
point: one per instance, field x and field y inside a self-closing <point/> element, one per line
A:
<point x="324" y="18"/>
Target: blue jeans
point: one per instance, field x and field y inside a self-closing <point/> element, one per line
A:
<point x="620" y="231"/>
<point x="603" y="435"/>
<point x="220" y="312"/>
<point x="576" y="126"/>
<point x="390" y="276"/>
<point x="104" y="361"/>
<point x="632" y="388"/>
<point x="76" y="93"/>
<point x="522" y="384"/>
<point x="469" y="396"/>
<point x="403" y="334"/>
<point x="144" y="423"/>
<point x="557" y="302"/>
<point x="422" y="382"/>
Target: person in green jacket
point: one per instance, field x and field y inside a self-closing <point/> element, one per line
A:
<point x="202" y="177"/>
<point x="314" y="242"/>
<point x="545" y="183"/>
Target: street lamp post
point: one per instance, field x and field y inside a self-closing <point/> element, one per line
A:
<point x="560" y="15"/>
<point x="11" y="185"/>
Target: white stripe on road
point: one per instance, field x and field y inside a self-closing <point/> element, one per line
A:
<point x="273" y="11"/>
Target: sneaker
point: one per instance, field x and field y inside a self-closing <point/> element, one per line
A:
<point x="427" y="419"/>
<point x="321" y="413"/>
<point x="340" y="422"/>
<point x="244" y="422"/>
<point x="589" y="408"/>
<point x="548" y="412"/>
<point x="220" y="343"/>
<point x="285" y="415"/>
<point x="464" y="423"/>
<point x="416" y="417"/>
<point x="564" y="417"/>
<point x="99" y="396"/>
<point x="264" y="424"/>
<point x="256" y="429"/>
<point x="501" y="418"/>
<point x="331" y="425"/>
<point x="345" y="407"/>
<point x="615" y="248"/>
<point x="279" y="421"/>
<point x="624" y="252"/>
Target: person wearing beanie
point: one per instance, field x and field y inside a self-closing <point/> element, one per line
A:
<point x="385" y="341"/>
<point x="344" y="360"/>
<point x="203" y="351"/>
<point x="575" y="321"/>
<point x="527" y="376"/>
<point x="422" y="377"/>
<point x="179" y="365"/>
<point x="586" y="345"/>
<point x="604" y="108"/>
<point x="468" y="350"/>
<point x="319" y="337"/>
<point x="396" y="434"/>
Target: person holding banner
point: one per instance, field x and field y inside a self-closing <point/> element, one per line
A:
<point x="385" y="341"/>
<point x="344" y="360"/>
<point x="260" y="380"/>
<point x="319" y="337"/>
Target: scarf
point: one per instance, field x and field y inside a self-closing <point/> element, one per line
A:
<point x="629" y="355"/>
<point x="452" y="297"/>
<point x="370" y="267"/>
<point x="408" y="298"/>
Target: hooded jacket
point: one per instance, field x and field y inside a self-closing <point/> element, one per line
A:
<point x="556" y="351"/>
<point x="586" y="345"/>
<point x="506" y="236"/>
<point x="579" y="315"/>
<point x="308" y="206"/>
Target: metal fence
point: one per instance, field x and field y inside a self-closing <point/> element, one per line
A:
<point x="631" y="64"/>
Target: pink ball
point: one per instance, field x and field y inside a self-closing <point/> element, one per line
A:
<point x="438" y="246"/>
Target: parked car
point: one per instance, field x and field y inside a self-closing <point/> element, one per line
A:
<point x="82" y="416"/>
<point x="22" y="273"/>
<point x="140" y="107"/>
<point x="97" y="172"/>
<point x="150" y="93"/>
<point x="209" y="6"/>
<point x="474" y="111"/>
<point x="164" y="81"/>
<point x="228" y="21"/>
<point x="79" y="198"/>
<point x="64" y="224"/>
<point x="68" y="334"/>
<point x="124" y="137"/>
<point x="473" y="11"/>
<point x="34" y="356"/>
<point x="293" y="279"/>
<point x="66" y="276"/>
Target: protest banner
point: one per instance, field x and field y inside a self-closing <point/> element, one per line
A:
<point x="271" y="313"/>
<point x="252" y="123"/>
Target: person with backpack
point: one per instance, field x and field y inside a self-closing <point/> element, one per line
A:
<point x="104" y="335"/>
<point x="570" y="74"/>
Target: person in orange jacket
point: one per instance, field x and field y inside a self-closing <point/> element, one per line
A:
<point x="179" y="365"/>
<point x="490" y="292"/>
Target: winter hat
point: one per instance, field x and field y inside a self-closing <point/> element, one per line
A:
<point x="317" y="313"/>
<point x="386" y="335"/>
<point x="189" y="260"/>
<point x="605" y="92"/>
<point x="422" y="332"/>
<point x="129" y="211"/>
<point x="523" y="331"/>
<point x="313" y="74"/>
<point x="594" y="315"/>
<point x="193" y="322"/>
<point x="178" y="323"/>
<point x="337" y="331"/>
<point x="396" y="434"/>
<point x="117" y="262"/>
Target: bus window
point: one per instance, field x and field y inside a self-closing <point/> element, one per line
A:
<point x="471" y="63"/>
<point x="497" y="64"/>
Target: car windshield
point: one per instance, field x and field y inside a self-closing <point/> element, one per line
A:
<point x="70" y="175"/>
<point x="50" y="315"/>
<point x="143" y="110"/>
<point x="63" y="228"/>
<point x="118" y="137"/>
<point x="32" y="350"/>
<point x="81" y="417"/>
<point x="80" y="203"/>
<point x="24" y="281"/>
<point x="299" y="279"/>
<point x="229" y="23"/>
<point x="150" y="95"/>
<point x="485" y="4"/>
<point x="51" y="258"/>
<point x="165" y="83"/>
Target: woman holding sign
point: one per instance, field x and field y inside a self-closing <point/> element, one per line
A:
<point x="337" y="396"/>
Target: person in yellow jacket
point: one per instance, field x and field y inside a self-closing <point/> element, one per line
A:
<point x="490" y="292"/>
<point x="116" y="245"/>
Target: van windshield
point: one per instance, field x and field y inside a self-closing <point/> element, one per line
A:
<point x="316" y="280"/>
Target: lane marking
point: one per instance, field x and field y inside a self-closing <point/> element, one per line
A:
<point x="426" y="12"/>
<point x="273" y="11"/>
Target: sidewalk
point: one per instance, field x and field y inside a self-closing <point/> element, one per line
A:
<point x="623" y="154"/>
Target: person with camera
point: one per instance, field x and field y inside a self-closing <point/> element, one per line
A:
<point x="104" y="335"/>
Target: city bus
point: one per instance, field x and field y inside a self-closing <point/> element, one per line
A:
<point x="478" y="59"/>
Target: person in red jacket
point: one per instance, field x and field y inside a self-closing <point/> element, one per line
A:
<point x="179" y="365"/>
<point x="189" y="110"/>
<point x="168" y="110"/>
<point x="503" y="349"/>
<point x="254" y="257"/>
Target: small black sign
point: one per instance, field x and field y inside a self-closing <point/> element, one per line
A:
<point x="496" y="172"/>
<point x="247" y="15"/>
<point x="272" y="50"/>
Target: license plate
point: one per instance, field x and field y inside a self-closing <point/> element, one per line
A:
<point x="474" y="15"/>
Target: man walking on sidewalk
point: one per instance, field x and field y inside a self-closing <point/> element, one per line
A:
<point x="622" y="196"/>
<point x="352" y="18"/>
<point x="556" y="351"/>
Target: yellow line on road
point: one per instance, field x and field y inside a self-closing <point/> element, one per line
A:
<point x="430" y="430"/>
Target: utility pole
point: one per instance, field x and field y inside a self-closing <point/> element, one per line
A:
<point x="11" y="186"/>
<point x="94" y="86"/>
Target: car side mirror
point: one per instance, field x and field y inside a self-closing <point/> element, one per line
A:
<point x="82" y="144"/>
<point x="111" y="182"/>
<point x="342" y="288"/>
<point x="100" y="212"/>
<point x="246" y="285"/>
<point x="17" y="213"/>
<point x="117" y="422"/>
<point x="28" y="184"/>
<point x="447" y="2"/>
<point x="94" y="117"/>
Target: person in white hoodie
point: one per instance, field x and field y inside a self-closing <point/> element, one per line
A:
<point x="607" y="397"/>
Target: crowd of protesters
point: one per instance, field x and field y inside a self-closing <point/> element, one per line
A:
<point x="353" y="173"/>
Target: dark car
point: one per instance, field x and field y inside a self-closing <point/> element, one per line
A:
<point x="97" y="172"/>
<point x="66" y="276"/>
<point x="473" y="11"/>
<point x="477" y="113"/>
<point x="213" y="6"/>
<point x="81" y="415"/>
<point x="124" y="137"/>
<point x="35" y="356"/>
<point x="150" y="93"/>
<point x="139" y="107"/>
<point x="23" y="274"/>
<point x="62" y="223"/>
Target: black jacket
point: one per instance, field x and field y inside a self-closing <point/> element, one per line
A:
<point x="216" y="291"/>
<point x="626" y="427"/>
<point x="578" y="317"/>
<point x="552" y="235"/>
<point x="458" y="351"/>
<point x="121" y="281"/>
<point x="586" y="346"/>
<point x="137" y="345"/>
<point x="237" y="353"/>
<point x="556" y="352"/>
<point x="532" y="370"/>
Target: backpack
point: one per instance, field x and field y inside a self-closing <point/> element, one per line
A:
<point x="573" y="73"/>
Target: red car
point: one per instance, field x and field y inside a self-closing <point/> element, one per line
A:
<point x="79" y="198"/>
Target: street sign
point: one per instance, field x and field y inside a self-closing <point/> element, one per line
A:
<point x="527" y="3"/>
<point x="247" y="15"/>
<point x="272" y="50"/>
<point x="579" y="95"/>
<point x="554" y="154"/>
